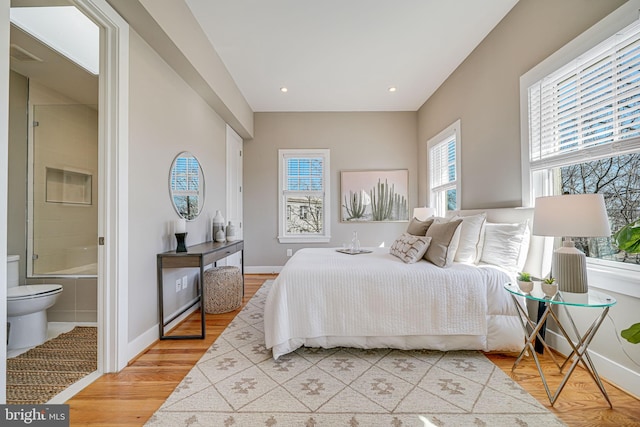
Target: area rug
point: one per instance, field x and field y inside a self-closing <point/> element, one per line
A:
<point x="237" y="383"/>
<point x="39" y="374"/>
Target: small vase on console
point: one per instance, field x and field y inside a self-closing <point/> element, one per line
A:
<point x="231" y="232"/>
<point x="218" y="233"/>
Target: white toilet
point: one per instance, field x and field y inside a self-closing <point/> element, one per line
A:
<point x="27" y="308"/>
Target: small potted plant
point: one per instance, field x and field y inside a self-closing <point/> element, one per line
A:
<point x="524" y="282"/>
<point x="549" y="287"/>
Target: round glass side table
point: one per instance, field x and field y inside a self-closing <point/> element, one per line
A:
<point x="579" y="354"/>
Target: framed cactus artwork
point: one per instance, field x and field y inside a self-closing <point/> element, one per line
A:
<point x="374" y="195"/>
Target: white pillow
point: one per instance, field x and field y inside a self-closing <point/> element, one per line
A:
<point x="506" y="245"/>
<point x="471" y="238"/>
<point x="410" y="248"/>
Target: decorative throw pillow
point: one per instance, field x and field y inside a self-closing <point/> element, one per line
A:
<point x="471" y="238"/>
<point x="506" y="245"/>
<point x="410" y="248"/>
<point x="419" y="228"/>
<point x="444" y="242"/>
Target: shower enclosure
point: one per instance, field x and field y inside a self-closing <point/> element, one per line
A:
<point x="62" y="185"/>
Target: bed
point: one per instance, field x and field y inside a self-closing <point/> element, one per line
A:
<point x="324" y="298"/>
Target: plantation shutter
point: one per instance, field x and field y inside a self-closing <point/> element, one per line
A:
<point x="590" y="107"/>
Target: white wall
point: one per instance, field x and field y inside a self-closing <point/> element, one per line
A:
<point x="172" y="30"/>
<point x="4" y="148"/>
<point x="166" y="117"/>
<point x="17" y="170"/>
<point x="483" y="92"/>
<point x="357" y="141"/>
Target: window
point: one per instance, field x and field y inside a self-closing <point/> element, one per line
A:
<point x="584" y="135"/>
<point x="444" y="169"/>
<point x="304" y="196"/>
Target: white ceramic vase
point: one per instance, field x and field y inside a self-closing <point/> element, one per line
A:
<point x="218" y="226"/>
<point x="231" y="232"/>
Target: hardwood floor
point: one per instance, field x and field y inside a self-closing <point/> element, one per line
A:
<point x="130" y="397"/>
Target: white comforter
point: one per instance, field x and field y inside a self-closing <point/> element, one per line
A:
<point x="325" y="298"/>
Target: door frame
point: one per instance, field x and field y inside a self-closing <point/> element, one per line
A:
<point x="113" y="162"/>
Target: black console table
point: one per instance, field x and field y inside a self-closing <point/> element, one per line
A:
<point x="197" y="256"/>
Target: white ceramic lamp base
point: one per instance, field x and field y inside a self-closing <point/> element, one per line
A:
<point x="569" y="267"/>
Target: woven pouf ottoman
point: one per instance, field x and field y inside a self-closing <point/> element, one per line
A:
<point x="222" y="289"/>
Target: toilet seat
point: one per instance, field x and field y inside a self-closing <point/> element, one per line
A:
<point x="32" y="291"/>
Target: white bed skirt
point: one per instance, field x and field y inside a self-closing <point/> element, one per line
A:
<point x="505" y="334"/>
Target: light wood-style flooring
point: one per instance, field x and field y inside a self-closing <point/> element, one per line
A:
<point x="130" y="397"/>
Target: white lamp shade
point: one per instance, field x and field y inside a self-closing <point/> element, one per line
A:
<point x="571" y="215"/>
<point x="423" y="213"/>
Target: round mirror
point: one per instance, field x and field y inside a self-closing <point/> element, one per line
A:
<point x="186" y="186"/>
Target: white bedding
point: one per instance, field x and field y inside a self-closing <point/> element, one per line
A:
<point x="325" y="298"/>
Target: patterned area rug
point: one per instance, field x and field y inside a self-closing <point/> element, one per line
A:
<point x="39" y="374"/>
<point x="237" y="383"/>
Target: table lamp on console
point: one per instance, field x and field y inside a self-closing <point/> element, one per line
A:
<point x="571" y="215"/>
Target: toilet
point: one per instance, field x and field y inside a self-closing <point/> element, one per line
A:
<point x="27" y="308"/>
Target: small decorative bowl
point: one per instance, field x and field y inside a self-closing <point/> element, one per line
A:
<point x="549" y="289"/>
<point x="525" y="287"/>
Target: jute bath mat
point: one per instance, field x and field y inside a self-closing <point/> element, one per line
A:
<point x="39" y="374"/>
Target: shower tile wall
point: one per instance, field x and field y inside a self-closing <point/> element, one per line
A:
<point x="78" y="301"/>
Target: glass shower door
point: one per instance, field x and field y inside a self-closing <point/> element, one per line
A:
<point x="63" y="197"/>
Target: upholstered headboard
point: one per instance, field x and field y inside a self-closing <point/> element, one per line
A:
<point x="540" y="248"/>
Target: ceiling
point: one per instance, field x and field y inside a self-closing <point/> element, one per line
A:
<point x="337" y="55"/>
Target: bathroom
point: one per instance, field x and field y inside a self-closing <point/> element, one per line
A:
<point x="53" y="177"/>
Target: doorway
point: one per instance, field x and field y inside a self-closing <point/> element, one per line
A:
<point x="234" y="189"/>
<point x="112" y="255"/>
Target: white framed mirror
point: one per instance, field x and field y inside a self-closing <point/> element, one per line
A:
<point x="186" y="186"/>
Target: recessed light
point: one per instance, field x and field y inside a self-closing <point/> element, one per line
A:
<point x="392" y="89"/>
<point x="284" y="89"/>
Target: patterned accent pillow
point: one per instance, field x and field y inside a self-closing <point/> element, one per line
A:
<point x="410" y="248"/>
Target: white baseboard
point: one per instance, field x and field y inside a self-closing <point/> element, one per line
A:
<point x="151" y="335"/>
<point x="265" y="269"/>
<point x="623" y="377"/>
<point x="74" y="388"/>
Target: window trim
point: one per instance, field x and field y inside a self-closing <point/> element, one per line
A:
<point x="453" y="130"/>
<point x="282" y="209"/>
<point x="603" y="274"/>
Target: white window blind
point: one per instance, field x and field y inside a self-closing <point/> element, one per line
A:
<point x="442" y="163"/>
<point x="304" y="174"/>
<point x="590" y="107"/>
<point x="444" y="169"/>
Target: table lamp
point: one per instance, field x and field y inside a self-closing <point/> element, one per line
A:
<point x="571" y="215"/>
<point x="423" y="213"/>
